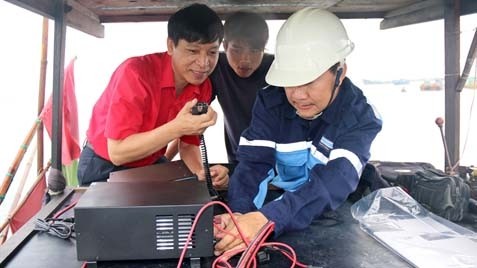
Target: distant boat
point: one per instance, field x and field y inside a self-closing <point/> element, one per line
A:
<point x="400" y="82"/>
<point x="379" y="82"/>
<point x="373" y="82"/>
<point x="431" y="85"/>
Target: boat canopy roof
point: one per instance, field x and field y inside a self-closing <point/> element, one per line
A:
<point x="90" y="15"/>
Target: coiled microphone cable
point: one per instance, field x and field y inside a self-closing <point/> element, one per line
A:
<point x="205" y="162"/>
<point x="201" y="108"/>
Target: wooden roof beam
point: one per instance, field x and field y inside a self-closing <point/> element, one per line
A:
<point x="423" y="12"/>
<point x="412" y="14"/>
<point x="78" y="16"/>
<point x="45" y="8"/>
<point x="271" y="10"/>
<point x="413" y="8"/>
<point x="83" y="19"/>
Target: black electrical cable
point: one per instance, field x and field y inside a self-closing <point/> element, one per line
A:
<point x="337" y="83"/>
<point x="205" y="162"/>
<point x="198" y="109"/>
<point x="62" y="228"/>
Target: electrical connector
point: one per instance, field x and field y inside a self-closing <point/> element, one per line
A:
<point x="263" y="257"/>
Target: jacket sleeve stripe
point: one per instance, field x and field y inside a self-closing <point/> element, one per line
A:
<point x="260" y="143"/>
<point x="293" y="147"/>
<point x="318" y="155"/>
<point x="350" y="156"/>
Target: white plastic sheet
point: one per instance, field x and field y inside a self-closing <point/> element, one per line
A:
<point x="422" y="238"/>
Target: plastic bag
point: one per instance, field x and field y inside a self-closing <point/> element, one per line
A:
<point x="420" y="237"/>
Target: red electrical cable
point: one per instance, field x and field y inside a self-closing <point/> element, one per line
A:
<point x="199" y="213"/>
<point x="247" y="259"/>
<point x="59" y="213"/>
<point x="252" y="249"/>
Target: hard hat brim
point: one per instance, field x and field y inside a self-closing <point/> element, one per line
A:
<point x="291" y="77"/>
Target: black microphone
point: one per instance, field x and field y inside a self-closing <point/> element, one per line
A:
<point x="440" y="122"/>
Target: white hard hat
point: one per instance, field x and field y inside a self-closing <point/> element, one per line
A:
<point x="308" y="44"/>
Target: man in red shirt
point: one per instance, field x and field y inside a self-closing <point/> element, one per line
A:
<point x="238" y="76"/>
<point x="148" y="102"/>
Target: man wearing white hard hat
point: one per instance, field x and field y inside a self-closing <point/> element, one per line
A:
<point x="310" y="134"/>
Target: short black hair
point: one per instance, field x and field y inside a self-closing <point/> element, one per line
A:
<point x="195" y="23"/>
<point x="246" y="26"/>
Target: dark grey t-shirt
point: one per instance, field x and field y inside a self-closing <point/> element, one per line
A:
<point x="236" y="96"/>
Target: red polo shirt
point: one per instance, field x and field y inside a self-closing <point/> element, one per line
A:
<point x="140" y="97"/>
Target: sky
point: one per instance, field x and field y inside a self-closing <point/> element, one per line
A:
<point x="409" y="52"/>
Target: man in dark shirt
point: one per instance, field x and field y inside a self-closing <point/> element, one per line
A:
<point x="240" y="74"/>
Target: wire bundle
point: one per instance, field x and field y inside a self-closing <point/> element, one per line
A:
<point x="63" y="228"/>
<point x="247" y="258"/>
<point x="57" y="227"/>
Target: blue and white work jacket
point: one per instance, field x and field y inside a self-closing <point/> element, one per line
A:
<point x="317" y="162"/>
